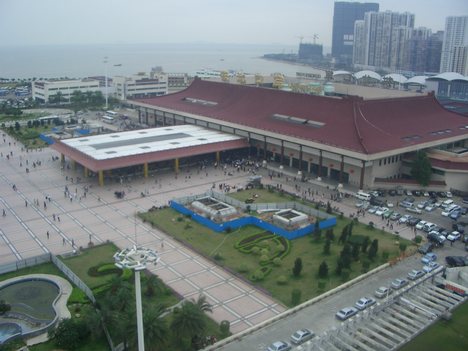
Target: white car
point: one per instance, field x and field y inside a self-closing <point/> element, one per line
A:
<point x="453" y="236"/>
<point x="279" y="346"/>
<point x="426" y="194"/>
<point x="449" y="194"/>
<point x="399" y="283"/>
<point x="421" y="225"/>
<point x="381" y="211"/>
<point x="404" y="219"/>
<point x="373" y="209"/>
<point x="430" y="208"/>
<point x="364" y="302"/>
<point x="430" y="266"/>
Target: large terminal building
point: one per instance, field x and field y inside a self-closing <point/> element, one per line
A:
<point x="364" y="143"/>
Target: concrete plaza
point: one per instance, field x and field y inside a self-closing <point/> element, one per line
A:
<point x="40" y="217"/>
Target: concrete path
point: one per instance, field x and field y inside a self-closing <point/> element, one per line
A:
<point x="40" y="218"/>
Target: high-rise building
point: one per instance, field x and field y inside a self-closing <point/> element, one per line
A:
<point x="423" y="50"/>
<point x="383" y="39"/>
<point x="455" y="35"/>
<point x="344" y="16"/>
<point x="460" y="60"/>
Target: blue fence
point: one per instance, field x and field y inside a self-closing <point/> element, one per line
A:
<point x="46" y="139"/>
<point x="250" y="220"/>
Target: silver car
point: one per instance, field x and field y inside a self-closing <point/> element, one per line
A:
<point x="364" y="302"/>
<point x="382" y="292"/>
<point x="302" y="335"/>
<point x="346" y="313"/>
<point x="279" y="346"/>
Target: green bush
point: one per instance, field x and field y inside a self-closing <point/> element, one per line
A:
<point x="282" y="280"/>
<point x="255" y="250"/>
<point x="385" y="255"/>
<point x="257" y="276"/>
<point x="217" y="256"/>
<point x="224" y="327"/>
<point x="264" y="259"/>
<point x="180" y="218"/>
<point x="277" y="261"/>
<point x="418" y="239"/>
<point x="106" y="267"/>
<point x="264" y="252"/>
<point x="321" y="285"/>
<point x="127" y="273"/>
<point x="243" y="268"/>
<point x="296" y="297"/>
<point x="345" y="273"/>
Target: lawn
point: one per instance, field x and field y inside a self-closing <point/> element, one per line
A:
<point x="45" y="268"/>
<point x="220" y="247"/>
<point x="29" y="137"/>
<point x="444" y="335"/>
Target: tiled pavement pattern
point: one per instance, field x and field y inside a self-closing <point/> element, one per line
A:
<point x="100" y="216"/>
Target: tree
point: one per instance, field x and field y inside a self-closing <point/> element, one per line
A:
<point x="155" y="329"/>
<point x="326" y="247"/>
<point x="69" y="334"/>
<point x="345" y="256"/>
<point x="339" y="266"/>
<point x="297" y="267"/>
<point x="153" y="285"/>
<point x="421" y="170"/>
<point x="188" y="321"/>
<point x="365" y="244"/>
<point x="17" y="126"/>
<point x="355" y="252"/>
<point x="323" y="270"/>
<point x="402" y="247"/>
<point x="344" y="234"/>
<point x="372" y="252"/>
<point x="224" y="327"/>
<point x="330" y="235"/>
<point x="296" y="297"/>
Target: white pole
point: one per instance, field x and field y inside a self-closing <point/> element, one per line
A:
<point x="139" y="311"/>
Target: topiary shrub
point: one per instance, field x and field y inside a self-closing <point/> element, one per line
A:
<point x="277" y="261"/>
<point x="127" y="273"/>
<point x="255" y="250"/>
<point x="243" y="268"/>
<point x="264" y="252"/>
<point x="418" y="239"/>
<point x="371" y="225"/>
<point x="264" y="259"/>
<point x="257" y="276"/>
<point x="218" y="257"/>
<point x="282" y="280"/>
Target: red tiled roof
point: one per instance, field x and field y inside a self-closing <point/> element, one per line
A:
<point x="447" y="164"/>
<point x="351" y="123"/>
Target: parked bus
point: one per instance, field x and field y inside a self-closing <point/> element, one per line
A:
<point x="112" y="113"/>
<point x="108" y="119"/>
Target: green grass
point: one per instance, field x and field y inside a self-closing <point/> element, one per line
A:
<point x="210" y="243"/>
<point x="444" y="335"/>
<point x="45" y="268"/>
<point x="94" y="345"/>
<point x="95" y="256"/>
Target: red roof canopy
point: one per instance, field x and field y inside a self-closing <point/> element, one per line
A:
<point x="351" y="123"/>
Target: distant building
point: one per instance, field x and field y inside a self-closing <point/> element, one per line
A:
<point x="382" y="39"/>
<point x="460" y="60"/>
<point x="344" y="16"/>
<point x="43" y="91"/>
<point x="140" y="85"/>
<point x="455" y="36"/>
<point x="422" y="52"/>
<point x="310" y="52"/>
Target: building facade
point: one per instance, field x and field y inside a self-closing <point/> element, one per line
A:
<point x="344" y="16"/>
<point x="47" y="91"/>
<point x="383" y="39"/>
<point x="455" y="35"/>
<point x="348" y="140"/>
<point x="423" y="52"/>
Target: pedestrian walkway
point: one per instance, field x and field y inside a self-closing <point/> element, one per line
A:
<point x="65" y="213"/>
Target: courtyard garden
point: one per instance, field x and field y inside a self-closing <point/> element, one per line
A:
<point x="169" y="323"/>
<point x="291" y="271"/>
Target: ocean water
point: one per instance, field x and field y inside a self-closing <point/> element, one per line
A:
<point x="76" y="61"/>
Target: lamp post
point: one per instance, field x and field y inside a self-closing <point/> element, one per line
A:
<point x="136" y="258"/>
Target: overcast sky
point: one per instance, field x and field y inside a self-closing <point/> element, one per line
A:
<point x="39" y="22"/>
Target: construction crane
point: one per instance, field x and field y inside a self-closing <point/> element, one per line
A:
<point x="315" y="37"/>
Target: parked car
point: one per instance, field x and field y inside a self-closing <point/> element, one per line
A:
<point x="393" y="193"/>
<point x="388" y="213"/>
<point x="346" y="313"/>
<point x="413" y="210"/>
<point x="395" y="216"/>
<point x="382" y="292"/>
<point x="405" y="204"/>
<point x="302" y="335"/>
<point x="449" y="194"/>
<point x="404" y="219"/>
<point x="422" y="205"/>
<point x="425" y="248"/>
<point x="413" y="221"/>
<point x="436" y="238"/>
<point x="456" y="261"/>
<point x="415" y="274"/>
<point x="453" y="236"/>
<point x="430" y="266"/>
<point x="455" y="215"/>
<point x="279" y="346"/>
<point x="399" y="283"/>
<point x="429" y="257"/>
<point x="381" y="210"/>
<point x="420" y="225"/>
<point x="430" y="208"/>
<point x="426" y="194"/>
<point x="364" y="302"/>
<point x="458" y="227"/>
<point x="372" y="209"/>
<point x="428" y="227"/>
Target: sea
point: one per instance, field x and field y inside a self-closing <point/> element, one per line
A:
<point x="79" y="61"/>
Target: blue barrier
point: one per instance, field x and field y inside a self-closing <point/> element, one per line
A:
<point x="251" y="220"/>
<point x="46" y="139"/>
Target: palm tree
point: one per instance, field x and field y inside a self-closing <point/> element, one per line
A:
<point x="153" y="285"/>
<point x="155" y="328"/>
<point x="188" y="321"/>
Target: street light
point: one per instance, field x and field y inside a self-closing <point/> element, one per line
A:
<point x="105" y="62"/>
<point x="136" y="258"/>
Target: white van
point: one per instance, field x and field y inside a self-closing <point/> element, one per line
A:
<point x="363" y="196"/>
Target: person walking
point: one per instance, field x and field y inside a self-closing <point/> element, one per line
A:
<point x="48" y="234"/>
